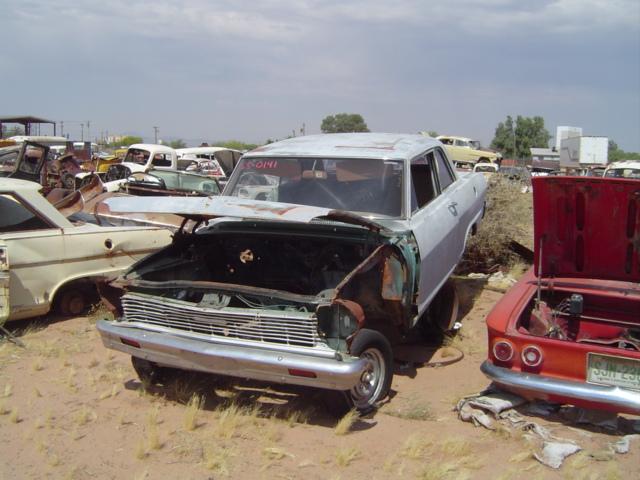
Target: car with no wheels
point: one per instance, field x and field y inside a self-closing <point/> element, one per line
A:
<point x="315" y="284"/>
<point x="569" y="330"/>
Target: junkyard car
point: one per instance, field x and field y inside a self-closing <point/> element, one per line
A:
<point x="52" y="261"/>
<point x="623" y="169"/>
<point x="312" y="287"/>
<point x="466" y="150"/>
<point x="569" y="331"/>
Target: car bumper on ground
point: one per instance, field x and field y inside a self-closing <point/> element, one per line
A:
<point x="579" y="393"/>
<point x="246" y="361"/>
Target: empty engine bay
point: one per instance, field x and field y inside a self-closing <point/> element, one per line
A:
<point x="584" y="318"/>
<point x="310" y="266"/>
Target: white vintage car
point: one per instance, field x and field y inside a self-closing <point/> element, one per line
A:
<point x="315" y="284"/>
<point x="48" y="261"/>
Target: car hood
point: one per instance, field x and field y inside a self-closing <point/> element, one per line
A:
<point x="587" y="227"/>
<point x="205" y="208"/>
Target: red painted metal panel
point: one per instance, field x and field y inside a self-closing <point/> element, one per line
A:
<point x="587" y="227"/>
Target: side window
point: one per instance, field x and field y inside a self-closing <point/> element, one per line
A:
<point x="445" y="176"/>
<point x="422" y="182"/>
<point x="16" y="217"/>
<point x="32" y="157"/>
<point x="161" y="160"/>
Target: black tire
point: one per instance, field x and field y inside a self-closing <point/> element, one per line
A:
<point x="376" y="381"/>
<point x="148" y="372"/>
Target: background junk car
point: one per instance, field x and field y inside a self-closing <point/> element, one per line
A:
<point x="47" y="260"/>
<point x="569" y="330"/>
<point x="312" y="286"/>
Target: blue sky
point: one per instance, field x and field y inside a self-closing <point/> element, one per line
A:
<point x="218" y="70"/>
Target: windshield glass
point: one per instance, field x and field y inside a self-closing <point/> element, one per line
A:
<point x="169" y="180"/>
<point x="135" y="155"/>
<point x="357" y="185"/>
<point x="623" y="173"/>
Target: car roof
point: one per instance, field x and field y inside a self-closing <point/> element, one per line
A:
<point x="349" y="145"/>
<point x="152" y="146"/>
<point x="203" y="149"/>
<point x="624" y="164"/>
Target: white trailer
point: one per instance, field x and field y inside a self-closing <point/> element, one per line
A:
<point x="576" y="152"/>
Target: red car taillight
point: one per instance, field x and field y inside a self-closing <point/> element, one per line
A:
<point x="531" y="356"/>
<point x="503" y="351"/>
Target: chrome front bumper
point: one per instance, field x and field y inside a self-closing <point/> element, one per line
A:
<point x="617" y="398"/>
<point x="245" y="361"/>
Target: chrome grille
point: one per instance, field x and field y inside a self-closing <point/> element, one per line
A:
<point x="269" y="326"/>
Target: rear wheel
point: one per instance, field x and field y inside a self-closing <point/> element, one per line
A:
<point x="375" y="382"/>
<point x="442" y="314"/>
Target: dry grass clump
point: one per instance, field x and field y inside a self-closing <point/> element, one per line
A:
<point x="346" y="455"/>
<point x="192" y="412"/>
<point x="14" y="416"/>
<point x="217" y="459"/>
<point x="85" y="415"/>
<point x="416" y="447"/>
<point x="509" y="216"/>
<point x="98" y="312"/>
<point x="345" y="423"/>
<point x="412" y="410"/>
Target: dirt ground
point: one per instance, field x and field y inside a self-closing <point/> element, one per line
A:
<point x="72" y="409"/>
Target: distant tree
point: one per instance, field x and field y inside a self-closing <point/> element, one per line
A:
<point x="529" y="133"/>
<point x="235" y="145"/>
<point x="616" y="154"/>
<point x="126" y="141"/>
<point x="177" y="143"/>
<point x="432" y="133"/>
<point x="343" y="122"/>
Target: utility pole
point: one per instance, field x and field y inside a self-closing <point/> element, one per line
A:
<point x="89" y="129"/>
<point x="81" y="132"/>
<point x="62" y="128"/>
<point x="155" y="131"/>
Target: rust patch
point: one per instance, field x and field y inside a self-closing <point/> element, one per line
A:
<point x="354" y="309"/>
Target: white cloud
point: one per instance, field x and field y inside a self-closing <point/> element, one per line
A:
<point x="288" y="19"/>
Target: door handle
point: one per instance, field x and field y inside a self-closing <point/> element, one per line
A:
<point x="452" y="208"/>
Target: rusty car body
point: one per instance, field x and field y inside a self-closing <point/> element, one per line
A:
<point x="51" y="261"/>
<point x="569" y="330"/>
<point x="312" y="286"/>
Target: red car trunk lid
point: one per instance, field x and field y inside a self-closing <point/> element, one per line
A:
<point x="587" y="227"/>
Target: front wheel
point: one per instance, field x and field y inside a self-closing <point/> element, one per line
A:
<point x="148" y="372"/>
<point x="375" y="382"/>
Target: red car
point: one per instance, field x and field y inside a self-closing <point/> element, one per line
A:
<point x="569" y="330"/>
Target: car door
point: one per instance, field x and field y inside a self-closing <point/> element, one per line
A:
<point x="434" y="223"/>
<point x="460" y="198"/>
<point x="4" y="283"/>
<point x="465" y="152"/>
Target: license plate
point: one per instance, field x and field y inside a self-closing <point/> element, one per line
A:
<point x="614" y="371"/>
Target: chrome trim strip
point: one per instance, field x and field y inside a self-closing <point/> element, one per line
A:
<point x="613" y="396"/>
